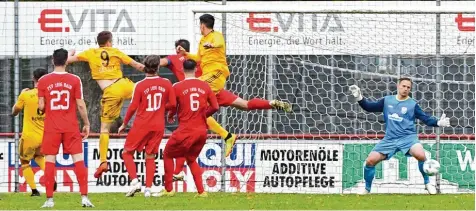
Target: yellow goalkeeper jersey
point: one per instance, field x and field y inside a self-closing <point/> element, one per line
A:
<point x="105" y="62"/>
<point x="33" y="120"/>
<point x="212" y="59"/>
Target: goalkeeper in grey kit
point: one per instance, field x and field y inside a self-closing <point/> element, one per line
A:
<point x="399" y="112"/>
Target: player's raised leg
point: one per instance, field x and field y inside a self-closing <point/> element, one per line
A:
<point x="418" y="153"/>
<point x="227" y="98"/>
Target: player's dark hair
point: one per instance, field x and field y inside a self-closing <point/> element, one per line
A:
<point x="104" y="37"/>
<point x="189" y="65"/>
<point x="208" y="20"/>
<point x="404" y="79"/>
<point x="151" y="64"/>
<point x="60" y="56"/>
<point x="38" y="73"/>
<point x="184" y="43"/>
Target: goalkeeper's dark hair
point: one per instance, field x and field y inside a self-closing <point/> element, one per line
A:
<point x="184" y="43"/>
<point x="208" y="20"/>
<point x="151" y="64"/>
<point x="38" y="73"/>
<point x="189" y="66"/>
<point x="405" y="79"/>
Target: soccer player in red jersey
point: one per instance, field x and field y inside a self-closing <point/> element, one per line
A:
<point x="59" y="93"/>
<point x="151" y="97"/>
<point x="196" y="102"/>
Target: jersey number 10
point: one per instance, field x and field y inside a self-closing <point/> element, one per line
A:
<point x="154" y="102"/>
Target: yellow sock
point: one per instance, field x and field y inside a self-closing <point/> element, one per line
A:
<point x="216" y="128"/>
<point x="40" y="160"/>
<point x="29" y="175"/>
<point x="103" y="146"/>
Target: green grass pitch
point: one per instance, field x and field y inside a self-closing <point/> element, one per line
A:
<point x="246" y="201"/>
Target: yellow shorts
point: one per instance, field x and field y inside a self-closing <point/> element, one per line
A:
<point x="113" y="97"/>
<point x="216" y="79"/>
<point x="30" y="146"/>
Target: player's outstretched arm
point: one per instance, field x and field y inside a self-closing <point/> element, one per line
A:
<point x="164" y="62"/>
<point x="212" y="103"/>
<point x="136" y="65"/>
<point x="72" y="57"/>
<point x="195" y="57"/>
<point x="83" y="113"/>
<point x="367" y="105"/>
<point x="430" y="120"/>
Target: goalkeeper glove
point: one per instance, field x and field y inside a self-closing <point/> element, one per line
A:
<point x="356" y="92"/>
<point x="444" y="121"/>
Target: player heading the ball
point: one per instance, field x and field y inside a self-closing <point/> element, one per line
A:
<point x="399" y="112"/>
<point x="212" y="57"/>
<point x="59" y="93"/>
<point x="152" y="96"/>
<point x="196" y="102"/>
<point x="105" y="63"/>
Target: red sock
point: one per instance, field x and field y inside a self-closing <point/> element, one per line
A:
<point x="197" y="175"/>
<point x="149" y="171"/>
<point x="49" y="178"/>
<point x="130" y="165"/>
<point x="179" y="163"/>
<point x="258" y="104"/>
<point x="169" y="169"/>
<point x="82" y="176"/>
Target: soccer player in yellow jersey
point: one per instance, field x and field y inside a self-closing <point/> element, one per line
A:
<point x="105" y="63"/>
<point x="32" y="134"/>
<point x="212" y="57"/>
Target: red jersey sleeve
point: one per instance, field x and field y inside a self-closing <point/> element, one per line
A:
<point x="212" y="102"/>
<point x="136" y="97"/>
<point x="78" y="92"/>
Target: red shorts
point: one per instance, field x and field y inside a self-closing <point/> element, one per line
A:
<point x="187" y="144"/>
<point x="225" y="97"/>
<point x="72" y="143"/>
<point x="138" y="139"/>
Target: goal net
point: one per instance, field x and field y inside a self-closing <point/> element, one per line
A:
<point x="307" y="56"/>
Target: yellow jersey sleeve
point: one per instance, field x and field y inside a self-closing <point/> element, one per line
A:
<point x="33" y="121"/>
<point x="212" y="59"/>
<point x="84" y="56"/>
<point x="20" y="104"/>
<point x="105" y="62"/>
<point x="124" y="58"/>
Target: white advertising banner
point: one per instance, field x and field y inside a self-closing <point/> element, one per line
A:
<point x="238" y="176"/>
<point x="141" y="28"/>
<point x="299" y="168"/>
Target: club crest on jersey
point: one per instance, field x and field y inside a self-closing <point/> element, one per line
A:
<point x="404" y="110"/>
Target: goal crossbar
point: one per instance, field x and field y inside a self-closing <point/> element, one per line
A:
<point x="447" y="9"/>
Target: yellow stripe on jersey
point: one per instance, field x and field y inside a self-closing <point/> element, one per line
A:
<point x="105" y="62"/>
<point x="212" y="59"/>
<point x="33" y="121"/>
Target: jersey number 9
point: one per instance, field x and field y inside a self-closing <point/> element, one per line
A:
<point x="105" y="58"/>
